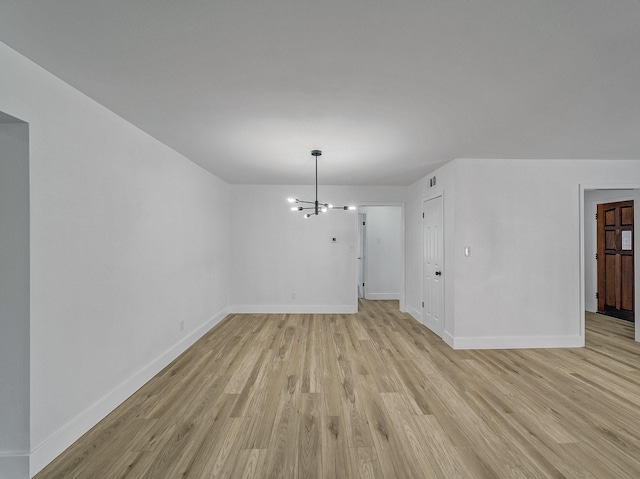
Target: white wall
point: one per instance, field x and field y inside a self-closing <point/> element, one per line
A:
<point x="384" y="251"/>
<point x="445" y="186"/>
<point x="14" y="299"/>
<point x="275" y="252"/>
<point x="128" y="238"/>
<point x="522" y="285"/>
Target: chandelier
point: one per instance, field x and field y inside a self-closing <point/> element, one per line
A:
<point x="316" y="206"/>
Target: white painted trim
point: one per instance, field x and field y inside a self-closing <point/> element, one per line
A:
<point x="448" y="338"/>
<point x="50" y="448"/>
<point x="515" y="342"/>
<point x="292" y="309"/>
<point x="14" y="465"/>
<point x="379" y="296"/>
<point x="415" y="314"/>
<point x="506" y="342"/>
<point x="13" y="454"/>
<point x="582" y="280"/>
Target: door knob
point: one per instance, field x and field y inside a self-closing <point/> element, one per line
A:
<point x="438" y="273"/>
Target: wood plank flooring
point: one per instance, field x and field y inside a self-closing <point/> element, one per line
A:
<point x="372" y="395"/>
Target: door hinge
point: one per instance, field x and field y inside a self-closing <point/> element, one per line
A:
<point x="363" y="223"/>
<point x="596" y="255"/>
<point x="596" y="215"/>
<point x="596" y="295"/>
<point x="362" y="284"/>
<point x="423" y="215"/>
<point x="423" y="304"/>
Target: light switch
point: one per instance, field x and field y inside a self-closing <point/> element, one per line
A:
<point x="467" y="250"/>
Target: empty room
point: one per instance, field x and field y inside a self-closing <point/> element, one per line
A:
<point x="304" y="239"/>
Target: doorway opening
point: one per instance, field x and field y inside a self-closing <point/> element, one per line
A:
<point x="380" y="263"/>
<point x="609" y="287"/>
<point x="15" y="302"/>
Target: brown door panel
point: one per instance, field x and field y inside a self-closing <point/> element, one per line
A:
<point x="615" y="265"/>
<point x="627" y="282"/>
<point x="610" y="280"/>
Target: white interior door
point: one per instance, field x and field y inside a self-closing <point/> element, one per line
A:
<point x="362" y="233"/>
<point x="433" y="294"/>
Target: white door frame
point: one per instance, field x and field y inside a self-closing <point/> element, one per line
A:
<point x="607" y="186"/>
<point x="366" y="204"/>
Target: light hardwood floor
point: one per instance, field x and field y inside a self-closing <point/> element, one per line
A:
<point x="372" y="395"/>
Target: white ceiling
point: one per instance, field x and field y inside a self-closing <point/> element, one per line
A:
<point x="387" y="89"/>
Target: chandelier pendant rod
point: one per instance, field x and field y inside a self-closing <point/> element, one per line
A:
<point x="315" y="205"/>
<point x="316" y="184"/>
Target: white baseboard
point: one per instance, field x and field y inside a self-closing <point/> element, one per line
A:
<point x="448" y="338"/>
<point x="55" y="444"/>
<point x="14" y="465"/>
<point x="293" y="309"/>
<point x="415" y="314"/>
<point x="382" y="296"/>
<point x="514" y="342"/>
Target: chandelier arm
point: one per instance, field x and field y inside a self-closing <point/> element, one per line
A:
<point x="316" y="205"/>
<point x="319" y="204"/>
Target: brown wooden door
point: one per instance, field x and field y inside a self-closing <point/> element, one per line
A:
<point x="615" y="260"/>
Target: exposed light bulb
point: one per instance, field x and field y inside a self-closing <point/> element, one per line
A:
<point x="317" y="207"/>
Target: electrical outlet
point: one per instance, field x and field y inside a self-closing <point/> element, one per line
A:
<point x="182" y="325"/>
<point x="293" y="295"/>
